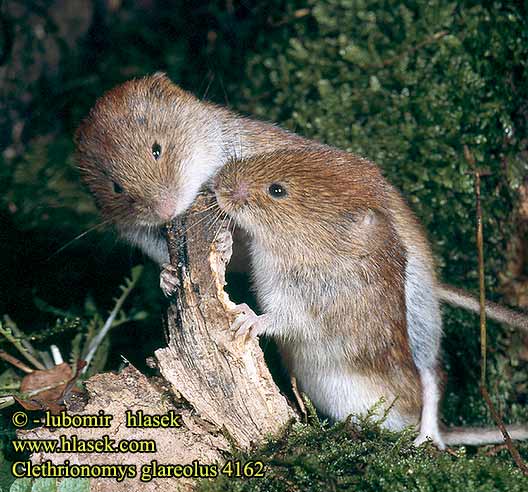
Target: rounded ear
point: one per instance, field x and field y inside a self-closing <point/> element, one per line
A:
<point x="370" y="218"/>
<point x="365" y="217"/>
<point x="367" y="230"/>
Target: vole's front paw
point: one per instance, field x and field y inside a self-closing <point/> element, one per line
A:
<point x="247" y="321"/>
<point x="169" y="281"/>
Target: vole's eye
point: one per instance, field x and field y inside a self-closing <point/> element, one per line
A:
<point x="156" y="150"/>
<point x="277" y="190"/>
<point x="117" y="188"/>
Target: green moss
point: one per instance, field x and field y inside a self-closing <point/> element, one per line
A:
<point x="363" y="457"/>
<point x="408" y="84"/>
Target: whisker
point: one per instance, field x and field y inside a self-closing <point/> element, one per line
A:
<point x="69" y="243"/>
<point x="231" y="222"/>
<point x="211" y="76"/>
<point x="221" y="225"/>
<point x="215" y="221"/>
<point x="204" y="210"/>
<point x="215" y="213"/>
<point x="203" y="192"/>
<point x="215" y="216"/>
<point x="240" y="154"/>
<point x="223" y="89"/>
<point x="192" y="226"/>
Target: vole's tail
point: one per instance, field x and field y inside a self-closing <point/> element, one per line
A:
<point x="460" y="298"/>
<point x="478" y="436"/>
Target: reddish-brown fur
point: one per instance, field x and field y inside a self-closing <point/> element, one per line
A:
<point x="114" y="145"/>
<point x="319" y="230"/>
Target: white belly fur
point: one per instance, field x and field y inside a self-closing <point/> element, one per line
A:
<point x="337" y="392"/>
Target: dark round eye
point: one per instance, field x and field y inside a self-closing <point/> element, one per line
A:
<point x="276" y="190"/>
<point x="117" y="188"/>
<point x="156" y="150"/>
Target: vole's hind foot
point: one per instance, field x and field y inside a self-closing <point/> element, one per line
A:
<point x="429" y="422"/>
<point x="169" y="281"/>
<point x="435" y="437"/>
<point x="224" y="245"/>
<point x="247" y="322"/>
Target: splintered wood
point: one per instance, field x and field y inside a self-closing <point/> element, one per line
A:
<point x="224" y="379"/>
<point x="223" y="391"/>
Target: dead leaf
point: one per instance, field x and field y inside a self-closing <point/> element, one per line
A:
<point x="50" y="386"/>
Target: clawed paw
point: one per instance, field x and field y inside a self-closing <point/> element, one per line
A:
<point x="247" y="322"/>
<point x="436" y="439"/>
<point x="169" y="281"/>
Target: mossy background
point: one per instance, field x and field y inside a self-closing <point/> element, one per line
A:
<point x="406" y="84"/>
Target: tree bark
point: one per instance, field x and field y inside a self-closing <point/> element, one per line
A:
<point x="220" y="386"/>
<point x="226" y="380"/>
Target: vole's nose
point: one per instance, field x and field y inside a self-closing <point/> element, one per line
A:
<point x="240" y="193"/>
<point x="166" y="209"/>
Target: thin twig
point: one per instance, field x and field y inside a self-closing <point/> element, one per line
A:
<point x="6" y="401"/>
<point x="483" y="334"/>
<point x="495" y="450"/>
<point x="480" y="248"/>
<point x="500" y="424"/>
<point x="109" y="323"/>
<point x="452" y="453"/>
<point x="298" y="397"/>
<point x="48" y="387"/>
<point x="8" y="332"/>
<point x="16" y="362"/>
<point x="9" y="400"/>
<point x="298" y="14"/>
<point x="24" y="340"/>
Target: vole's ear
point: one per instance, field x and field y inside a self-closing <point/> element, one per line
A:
<point x="366" y="229"/>
<point x="370" y="218"/>
<point x="161" y="86"/>
<point x="361" y="218"/>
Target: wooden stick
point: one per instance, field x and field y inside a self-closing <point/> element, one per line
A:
<point x="483" y="334"/>
<point x="225" y="380"/>
<point x="17" y="363"/>
<point x="298" y="397"/>
<point x="9" y="333"/>
<point x="500" y="424"/>
<point x="482" y="288"/>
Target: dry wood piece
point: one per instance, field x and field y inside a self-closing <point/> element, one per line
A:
<point x="228" y="394"/>
<point x="132" y="391"/>
<point x="224" y="379"/>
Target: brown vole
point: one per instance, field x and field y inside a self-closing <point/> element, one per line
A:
<point x="343" y="273"/>
<point x="147" y="147"/>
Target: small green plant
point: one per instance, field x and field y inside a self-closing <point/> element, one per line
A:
<point x="90" y="344"/>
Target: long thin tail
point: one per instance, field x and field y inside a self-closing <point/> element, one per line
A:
<point x="474" y="436"/>
<point x="460" y="298"/>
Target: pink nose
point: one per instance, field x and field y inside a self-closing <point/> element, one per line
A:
<point x="166" y="209"/>
<point x="240" y="193"/>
